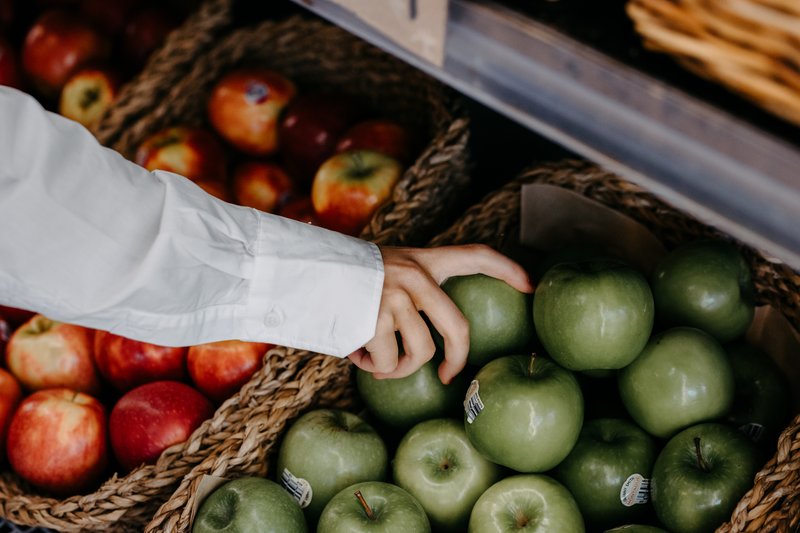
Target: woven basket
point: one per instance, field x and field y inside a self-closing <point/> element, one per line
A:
<point x="291" y="381"/>
<point x="750" y="46"/>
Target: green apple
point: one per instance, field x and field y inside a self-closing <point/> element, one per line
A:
<point x="762" y="393"/>
<point x="407" y="401"/>
<point x="249" y="504"/>
<point x="608" y="471"/>
<point x="437" y="465"/>
<point x="700" y="475"/>
<point x="524" y="412"/>
<point x="531" y="503"/>
<point x="569" y="253"/>
<point x="325" y="451"/>
<point x="499" y="316"/>
<point x="593" y="315"/>
<point x="707" y="285"/>
<point x="636" y="528"/>
<point x="376" y="507"/>
<point x="681" y="378"/>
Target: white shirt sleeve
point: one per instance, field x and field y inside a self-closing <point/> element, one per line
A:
<point x="90" y="238"/>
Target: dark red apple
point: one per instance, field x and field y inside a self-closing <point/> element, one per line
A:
<point x="57" y="45"/>
<point x="310" y="129"/>
<point x="145" y="32"/>
<point x="245" y="107"/>
<point x="149" y="419"/>
<point x="384" y="136"/>
<point x="215" y="188"/>
<point x="10" y="396"/>
<point x="262" y="185"/>
<point x="219" y="369"/>
<point x="44" y="353"/>
<point x="6" y="14"/>
<point x="88" y="94"/>
<point x="191" y="152"/>
<point x="5" y="333"/>
<point x="57" y="441"/>
<point x="127" y="363"/>
<point x="9" y="66"/>
<point x="108" y="16"/>
<point x="15" y="316"/>
<point x="301" y="209"/>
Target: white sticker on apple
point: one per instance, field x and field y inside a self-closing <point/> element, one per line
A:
<point x="473" y="404"/>
<point x="753" y="430"/>
<point x="298" y="488"/>
<point x="635" y="490"/>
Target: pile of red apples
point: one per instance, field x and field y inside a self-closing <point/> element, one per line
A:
<point x="77" y="405"/>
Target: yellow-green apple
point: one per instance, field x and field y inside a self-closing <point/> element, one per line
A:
<point x="10" y="396"/>
<point x="436" y="464"/>
<point x="44" y="353"/>
<point x="57" y="45"/>
<point x="373" y="506"/>
<point x="384" y="136"/>
<point x="349" y="187"/>
<point x="128" y="363"/>
<point x="145" y="31"/>
<point x="152" y="417"/>
<point x="301" y="209"/>
<point x="761" y="395"/>
<point x="402" y="403"/>
<point x="9" y="66"/>
<point x="531" y="502"/>
<point x="608" y="471"/>
<point x="88" y="94"/>
<point x="249" y="504"/>
<point x="499" y="316"/>
<point x="219" y="369"/>
<point x="593" y="315"/>
<point x="707" y="285"/>
<point x="261" y="185"/>
<point x="309" y="130"/>
<point x="326" y="450"/>
<point x="681" y="378"/>
<point x="57" y="441"/>
<point x="700" y="475"/>
<point x="524" y="412"/>
<point x="245" y="107"/>
<point x="191" y="152"/>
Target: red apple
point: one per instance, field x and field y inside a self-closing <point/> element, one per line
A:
<point x="191" y="152"/>
<point x="245" y="107"/>
<point x="301" y="209"/>
<point x="109" y="17"/>
<point x="261" y="185"/>
<point x="15" y="316"/>
<point x="215" y="188"/>
<point x="127" y="363"/>
<point x="384" y="136"/>
<point x="151" y="418"/>
<point x="310" y="128"/>
<point x="349" y="187"/>
<point x="5" y="333"/>
<point x="10" y="395"/>
<point x="6" y="14"/>
<point x="219" y="369"/>
<point x="9" y="67"/>
<point x="88" y="94"/>
<point x="57" y="45"/>
<point x="44" y="354"/>
<point x="145" y="32"/>
<point x="57" y="441"/>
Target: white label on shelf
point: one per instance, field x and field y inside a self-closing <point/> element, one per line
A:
<point x="419" y="26"/>
<point x="297" y="487"/>
<point x="473" y="404"/>
<point x="635" y="490"/>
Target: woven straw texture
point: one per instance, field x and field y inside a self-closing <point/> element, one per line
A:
<point x="243" y="429"/>
<point x="773" y="504"/>
<point x="750" y="46"/>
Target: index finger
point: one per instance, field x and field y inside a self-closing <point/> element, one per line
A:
<point x="464" y="260"/>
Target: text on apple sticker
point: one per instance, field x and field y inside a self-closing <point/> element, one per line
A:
<point x="472" y="403"/>
<point x="635" y="490"/>
<point x="297" y="487"/>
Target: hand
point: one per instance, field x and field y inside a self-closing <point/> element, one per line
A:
<point x="412" y="279"/>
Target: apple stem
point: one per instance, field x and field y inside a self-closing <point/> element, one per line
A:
<point x="701" y="462"/>
<point x="530" y="364"/>
<point x="365" y="505"/>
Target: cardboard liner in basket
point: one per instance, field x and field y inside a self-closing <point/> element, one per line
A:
<point x="315" y="55"/>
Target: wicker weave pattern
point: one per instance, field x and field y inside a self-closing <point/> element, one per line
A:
<point x="751" y="46"/>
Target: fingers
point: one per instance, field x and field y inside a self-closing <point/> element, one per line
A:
<point x="464" y="260"/>
<point x="417" y="343"/>
<point x="383" y="351"/>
